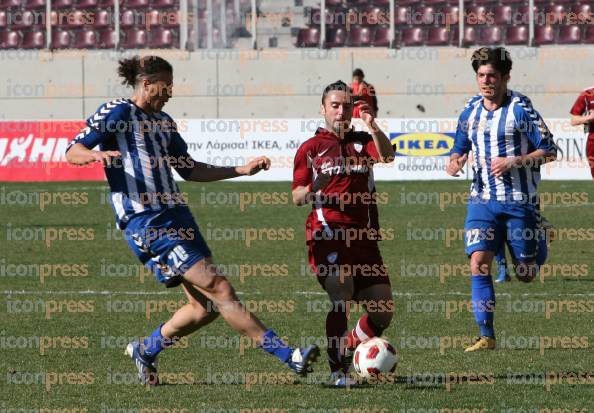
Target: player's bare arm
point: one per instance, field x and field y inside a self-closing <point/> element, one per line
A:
<point x="79" y="154"/>
<point x="501" y="165"/>
<point x="382" y="143"/>
<point x="582" y="120"/>
<point x="202" y="172"/>
<point x="456" y="164"/>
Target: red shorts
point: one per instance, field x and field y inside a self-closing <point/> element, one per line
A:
<point x="362" y="260"/>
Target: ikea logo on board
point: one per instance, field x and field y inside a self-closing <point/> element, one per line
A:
<point x="422" y="144"/>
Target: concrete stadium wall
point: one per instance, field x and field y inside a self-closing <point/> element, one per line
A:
<point x="280" y="83"/>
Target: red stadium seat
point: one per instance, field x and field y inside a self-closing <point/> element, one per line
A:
<point x="412" y="36"/>
<point x="74" y="20"/>
<point x="10" y="4"/>
<point x="470" y="36"/>
<point x="137" y="4"/>
<point x="512" y="1"/>
<point x="381" y="37"/>
<point x="162" y="18"/>
<point x="583" y="12"/>
<point x="107" y="39"/>
<point x="402" y="16"/>
<point x="374" y="16"/>
<point x="424" y="15"/>
<point x="61" y="4"/>
<point x="134" y="39"/>
<point x="308" y="37"/>
<point x="485" y="2"/>
<point x="85" y="39"/>
<point x="86" y="4"/>
<point x="23" y="20"/>
<point x="161" y="38"/>
<point x="103" y="18"/>
<point x="336" y="37"/>
<point x="10" y="39"/>
<point x="130" y="18"/>
<point x="360" y="36"/>
<point x="544" y="35"/>
<point x="435" y="2"/>
<point x="438" y="36"/>
<point x="503" y="15"/>
<point x="476" y="15"/>
<point x="382" y="3"/>
<point x="407" y="2"/>
<point x="105" y="4"/>
<point x="3" y="19"/>
<point x="452" y="14"/>
<point x="569" y="35"/>
<point x="61" y="39"/>
<point x="516" y="35"/>
<point x="589" y="35"/>
<point x="33" y="40"/>
<point x="554" y="14"/>
<point x="168" y="4"/>
<point x="491" y="35"/>
<point x="34" y="4"/>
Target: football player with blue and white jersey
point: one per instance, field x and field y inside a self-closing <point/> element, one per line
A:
<point x="509" y="142"/>
<point x="139" y="145"/>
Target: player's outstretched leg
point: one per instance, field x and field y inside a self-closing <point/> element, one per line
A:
<point x="483" y="300"/>
<point x="197" y="313"/>
<point x="215" y="286"/>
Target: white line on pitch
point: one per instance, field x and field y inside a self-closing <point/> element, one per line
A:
<point x="178" y="292"/>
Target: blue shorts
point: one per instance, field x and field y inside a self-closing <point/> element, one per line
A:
<point x="168" y="242"/>
<point x="489" y="224"/>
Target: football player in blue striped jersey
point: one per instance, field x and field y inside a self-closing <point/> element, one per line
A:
<point x="139" y="145"/>
<point x="509" y="142"/>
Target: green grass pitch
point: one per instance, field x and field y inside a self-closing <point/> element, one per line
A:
<point x="62" y="337"/>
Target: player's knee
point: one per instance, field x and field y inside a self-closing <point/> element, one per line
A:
<point x="222" y="289"/>
<point x="479" y="267"/>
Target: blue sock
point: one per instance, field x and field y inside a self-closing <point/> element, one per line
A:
<point x="543" y="250"/>
<point x="483" y="303"/>
<point x="155" y="343"/>
<point x="272" y="344"/>
<point x="501" y="261"/>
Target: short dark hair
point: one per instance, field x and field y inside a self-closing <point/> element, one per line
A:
<point x="147" y="67"/>
<point x="498" y="57"/>
<point x="338" y="85"/>
<point x="358" y="72"/>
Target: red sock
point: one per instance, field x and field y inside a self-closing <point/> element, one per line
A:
<point x="364" y="330"/>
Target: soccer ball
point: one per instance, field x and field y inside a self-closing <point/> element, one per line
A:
<point x="374" y="357"/>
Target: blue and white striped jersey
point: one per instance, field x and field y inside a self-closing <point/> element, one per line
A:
<point x="514" y="129"/>
<point x="142" y="180"/>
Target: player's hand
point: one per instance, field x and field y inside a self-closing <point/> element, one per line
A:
<point x="255" y="166"/>
<point x="366" y="112"/>
<point x="501" y="165"/>
<point x="455" y="166"/>
<point x="106" y="157"/>
<point x="322" y="180"/>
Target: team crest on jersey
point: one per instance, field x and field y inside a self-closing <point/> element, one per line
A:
<point x="332" y="257"/>
<point x="358" y="146"/>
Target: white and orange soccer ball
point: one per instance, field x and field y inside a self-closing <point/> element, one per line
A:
<point x="375" y="357"/>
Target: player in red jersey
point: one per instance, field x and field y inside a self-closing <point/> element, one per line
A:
<point x="333" y="171"/>
<point x="582" y="113"/>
